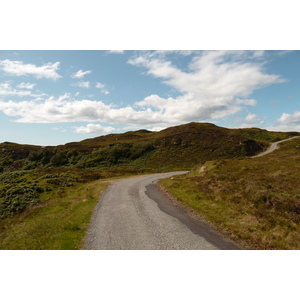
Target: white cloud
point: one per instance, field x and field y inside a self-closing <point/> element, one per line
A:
<point x="94" y="129"/>
<point x="55" y="110"/>
<point x="28" y="86"/>
<point x="83" y="84"/>
<point x="99" y="85"/>
<point x="287" y="122"/>
<point x="102" y="88"/>
<point x="212" y="74"/>
<point x="215" y="85"/>
<point x="117" y="51"/>
<point x="7" y="90"/>
<point x="251" y="120"/>
<point x="162" y="112"/>
<point x="18" y="68"/>
<point x="81" y="74"/>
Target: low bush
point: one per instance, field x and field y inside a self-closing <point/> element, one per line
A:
<point x="17" y="199"/>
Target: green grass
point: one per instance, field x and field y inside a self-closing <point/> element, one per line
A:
<point x="254" y="201"/>
<point x="57" y="224"/>
<point x="58" y="218"/>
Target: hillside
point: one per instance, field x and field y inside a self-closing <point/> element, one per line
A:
<point x="179" y="147"/>
<point x="253" y="200"/>
<point x="48" y="194"/>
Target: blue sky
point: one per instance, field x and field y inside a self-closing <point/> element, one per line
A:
<point x="54" y="97"/>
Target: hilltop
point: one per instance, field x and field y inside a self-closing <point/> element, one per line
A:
<point x="178" y="147"/>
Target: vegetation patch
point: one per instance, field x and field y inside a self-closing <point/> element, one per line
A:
<point x="57" y="224"/>
<point x="179" y="147"/>
<point x="50" y="208"/>
<point x="254" y="201"/>
<point x="47" y="194"/>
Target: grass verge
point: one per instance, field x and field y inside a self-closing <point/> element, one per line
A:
<point x="256" y="202"/>
<point x="57" y="224"/>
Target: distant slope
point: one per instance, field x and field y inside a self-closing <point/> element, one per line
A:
<point x="178" y="147"/>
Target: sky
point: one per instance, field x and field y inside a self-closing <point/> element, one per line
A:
<point x="50" y="97"/>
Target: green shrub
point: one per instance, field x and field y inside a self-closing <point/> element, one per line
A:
<point x="17" y="199"/>
<point x="60" y="158"/>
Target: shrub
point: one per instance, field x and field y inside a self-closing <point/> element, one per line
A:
<point x="59" y="159"/>
<point x="17" y="199"/>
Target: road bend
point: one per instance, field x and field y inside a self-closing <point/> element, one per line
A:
<point x="274" y="146"/>
<point x="133" y="214"/>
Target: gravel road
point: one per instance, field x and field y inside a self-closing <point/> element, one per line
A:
<point x="134" y="215"/>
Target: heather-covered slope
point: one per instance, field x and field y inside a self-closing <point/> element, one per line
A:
<point x="255" y="201"/>
<point x="179" y="147"/>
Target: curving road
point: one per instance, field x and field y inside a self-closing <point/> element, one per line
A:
<point x="134" y="215"/>
<point x="274" y="146"/>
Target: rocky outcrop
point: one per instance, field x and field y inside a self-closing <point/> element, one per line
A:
<point x="252" y="147"/>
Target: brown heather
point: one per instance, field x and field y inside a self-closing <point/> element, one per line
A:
<point x="47" y="194"/>
<point x="254" y="201"/>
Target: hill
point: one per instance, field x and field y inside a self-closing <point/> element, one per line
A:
<point x="253" y="200"/>
<point x="48" y="194"/>
<point x="179" y="147"/>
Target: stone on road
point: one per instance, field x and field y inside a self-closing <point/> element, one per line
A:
<point x="133" y="215"/>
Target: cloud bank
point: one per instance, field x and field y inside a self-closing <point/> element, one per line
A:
<point x="213" y="85"/>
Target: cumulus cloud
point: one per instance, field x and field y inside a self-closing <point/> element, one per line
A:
<point x="94" y="129"/>
<point x="18" y="68"/>
<point x="81" y="74"/>
<point x="251" y="120"/>
<point x="7" y="90"/>
<point x="287" y="122"/>
<point x="214" y="85"/>
<point x="102" y="88"/>
<point x="65" y="109"/>
<point x="83" y="84"/>
<point x="211" y="74"/>
<point x="28" y="86"/>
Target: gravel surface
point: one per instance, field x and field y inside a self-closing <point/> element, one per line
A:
<point x="134" y="215"/>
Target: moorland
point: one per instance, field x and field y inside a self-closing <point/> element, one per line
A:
<point x="48" y="193"/>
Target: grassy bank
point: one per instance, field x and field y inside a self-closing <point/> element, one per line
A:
<point x="254" y="201"/>
<point x="50" y="208"/>
<point x="57" y="224"/>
